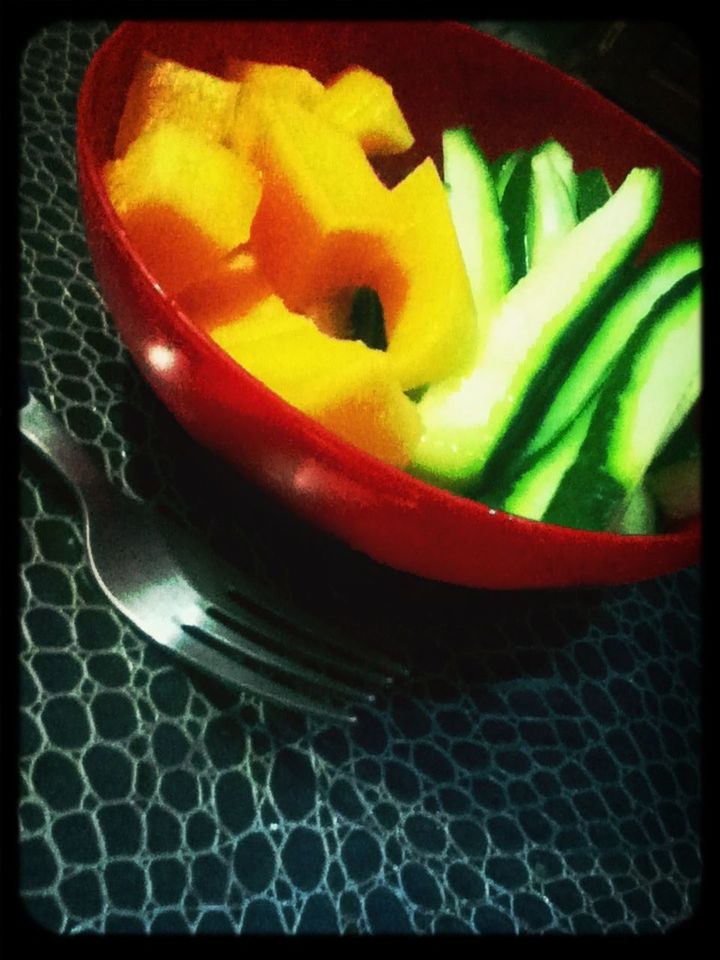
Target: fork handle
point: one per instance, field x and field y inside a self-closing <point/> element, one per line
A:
<point x="49" y="435"/>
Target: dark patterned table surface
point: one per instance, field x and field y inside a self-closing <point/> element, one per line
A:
<point x="539" y="771"/>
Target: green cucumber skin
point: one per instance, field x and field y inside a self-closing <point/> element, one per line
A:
<point x="513" y="208"/>
<point x="502" y="169"/>
<point x="512" y="454"/>
<point x="475" y="212"/>
<point x="617" y="317"/>
<point x="593" y="190"/>
<point x="590" y="495"/>
<point x="527" y="491"/>
<point x="683" y="445"/>
<point x="457" y="443"/>
<point x="520" y="193"/>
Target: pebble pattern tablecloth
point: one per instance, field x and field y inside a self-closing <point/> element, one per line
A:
<point x="539" y="771"/>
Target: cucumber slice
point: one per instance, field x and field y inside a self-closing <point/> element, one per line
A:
<point x="683" y="445"/>
<point x="502" y="169"/>
<point x="531" y="492"/>
<point x="551" y="210"/>
<point x="464" y="418"/>
<point x="612" y="331"/>
<point x="538" y="203"/>
<point x="476" y="216"/>
<point x="640" y="516"/>
<point x="656" y="381"/>
<point x="593" y="190"/>
<point x="564" y="164"/>
<point x="514" y="204"/>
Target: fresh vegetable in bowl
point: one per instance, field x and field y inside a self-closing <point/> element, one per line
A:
<point x="588" y="363"/>
<point x="476" y="309"/>
<point x="581" y="369"/>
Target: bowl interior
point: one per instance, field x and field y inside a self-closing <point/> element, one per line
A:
<point x="509" y="100"/>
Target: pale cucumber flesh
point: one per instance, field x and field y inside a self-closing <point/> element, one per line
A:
<point x="551" y="211"/>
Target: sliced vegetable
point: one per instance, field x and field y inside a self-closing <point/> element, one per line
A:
<point x="364" y="105"/>
<point x="562" y="161"/>
<point x="654" y="384"/>
<point x="514" y="201"/>
<point x="502" y="169"/>
<point x="538" y="196"/>
<point x="593" y="190"/>
<point x="476" y="216"/>
<point x="612" y="329"/>
<point x="465" y="418"/>
<point x="426" y="297"/>
<point x="551" y="212"/>
<point x="164" y="91"/>
<point x="343" y="384"/>
<point x="278" y="79"/>
<point x="225" y="293"/>
<point x="529" y="490"/>
<point x="491" y="332"/>
<point x="179" y="222"/>
<point x="326" y="223"/>
<point x="683" y="445"/>
<point x="318" y="184"/>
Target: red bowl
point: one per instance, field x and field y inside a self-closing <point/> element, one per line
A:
<point x="510" y="100"/>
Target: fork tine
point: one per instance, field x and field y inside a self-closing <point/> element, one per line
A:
<point x="131" y="557"/>
<point x="291" y="637"/>
<point x="306" y="632"/>
<point x="250" y="604"/>
<point x="247" y="646"/>
<point x="230" y="672"/>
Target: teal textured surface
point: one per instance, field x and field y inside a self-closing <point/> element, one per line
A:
<point x="539" y="771"/>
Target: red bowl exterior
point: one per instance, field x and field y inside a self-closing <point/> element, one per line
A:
<point x="510" y="100"/>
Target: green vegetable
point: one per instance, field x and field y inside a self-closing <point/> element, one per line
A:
<point x="551" y="212"/>
<point x="538" y="197"/>
<point x="612" y="329"/>
<point x="502" y="169"/>
<point x="592" y="192"/>
<point x="476" y="216"/>
<point x="529" y="491"/>
<point x="514" y="201"/>
<point x="464" y="419"/>
<point x="650" y="391"/>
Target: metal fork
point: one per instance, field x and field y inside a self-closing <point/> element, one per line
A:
<point x="228" y="636"/>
